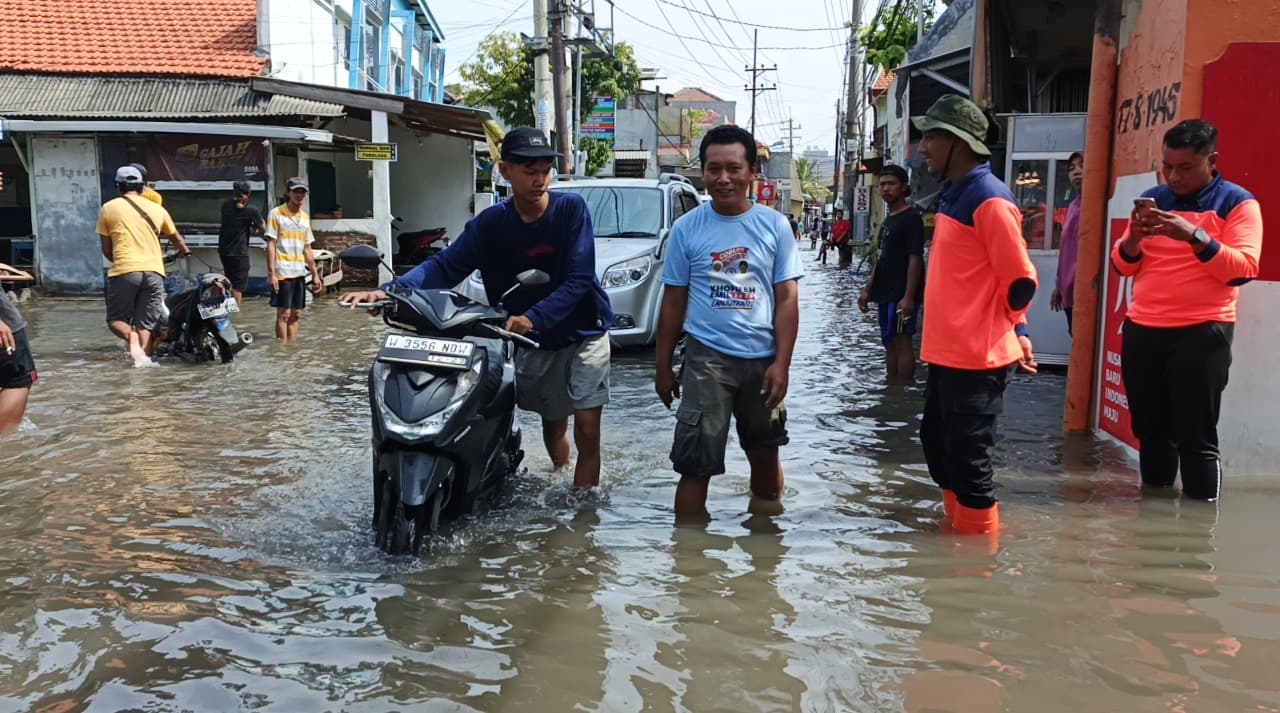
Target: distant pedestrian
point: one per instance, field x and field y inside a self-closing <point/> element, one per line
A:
<point x="826" y="241"/>
<point x="1064" y="291"/>
<point x="17" y="368"/>
<point x="130" y="228"/>
<point x="239" y="221"/>
<point x="1189" y="246"/>
<point x="842" y="237"/>
<point x="289" y="259"/>
<point x="980" y="286"/>
<point x="741" y="329"/>
<point x="897" y="278"/>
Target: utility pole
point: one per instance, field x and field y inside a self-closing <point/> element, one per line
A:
<point x="853" y="114"/>
<point x="756" y="70"/>
<point x="555" y="23"/>
<point x="541" y="68"/>
<point x="835" y="175"/>
<point x="791" y="136"/>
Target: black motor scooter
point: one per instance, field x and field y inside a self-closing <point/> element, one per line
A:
<point x="443" y="403"/>
<point x="199" y="327"/>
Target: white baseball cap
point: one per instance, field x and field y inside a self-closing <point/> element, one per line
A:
<point x="128" y="174"/>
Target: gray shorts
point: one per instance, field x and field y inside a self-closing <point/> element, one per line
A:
<point x="713" y="387"/>
<point x="137" y="299"/>
<point x="554" y="384"/>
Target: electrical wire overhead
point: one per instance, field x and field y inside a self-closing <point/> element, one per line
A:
<point x="678" y="36"/>
<point x="759" y="26"/>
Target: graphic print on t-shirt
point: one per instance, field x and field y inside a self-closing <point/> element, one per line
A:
<point x="733" y="286"/>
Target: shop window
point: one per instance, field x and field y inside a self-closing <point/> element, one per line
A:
<point x="1030" y="182"/>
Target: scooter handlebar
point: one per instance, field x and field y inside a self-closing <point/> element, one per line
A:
<point x="514" y="337"/>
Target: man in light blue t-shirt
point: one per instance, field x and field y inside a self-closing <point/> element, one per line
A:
<point x="731" y="278"/>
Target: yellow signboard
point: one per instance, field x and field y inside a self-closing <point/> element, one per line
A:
<point x="376" y="152"/>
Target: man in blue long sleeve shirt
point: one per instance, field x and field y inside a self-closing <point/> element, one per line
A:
<point x="569" y="316"/>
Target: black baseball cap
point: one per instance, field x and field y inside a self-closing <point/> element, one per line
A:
<point x="526" y="142"/>
<point x="240" y="187"/>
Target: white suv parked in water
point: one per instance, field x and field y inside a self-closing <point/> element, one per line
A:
<point x="632" y="218"/>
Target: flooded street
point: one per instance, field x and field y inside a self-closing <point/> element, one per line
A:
<point x="196" y="538"/>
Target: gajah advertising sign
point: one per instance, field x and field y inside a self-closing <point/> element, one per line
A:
<point x="206" y="158"/>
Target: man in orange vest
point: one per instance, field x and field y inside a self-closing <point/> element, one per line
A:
<point x="980" y="285"/>
<point x="1191" y="242"/>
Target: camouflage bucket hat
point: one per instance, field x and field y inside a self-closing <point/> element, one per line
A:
<point x="955" y="114"/>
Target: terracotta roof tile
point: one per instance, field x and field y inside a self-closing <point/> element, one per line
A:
<point x="211" y="38"/>
<point x="883" y="82"/>
<point x="695" y="94"/>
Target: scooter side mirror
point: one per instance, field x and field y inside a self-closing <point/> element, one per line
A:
<point x="529" y="278"/>
<point x="361" y="257"/>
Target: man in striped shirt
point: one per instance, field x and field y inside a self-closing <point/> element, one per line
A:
<point x="289" y="259"/>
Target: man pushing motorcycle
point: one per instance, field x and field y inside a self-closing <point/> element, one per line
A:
<point x="536" y="229"/>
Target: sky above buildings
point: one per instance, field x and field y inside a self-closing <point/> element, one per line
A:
<point x="707" y="44"/>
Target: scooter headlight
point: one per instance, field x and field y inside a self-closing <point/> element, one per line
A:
<point x="435" y="423"/>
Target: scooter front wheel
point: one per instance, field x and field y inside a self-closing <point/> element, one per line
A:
<point x="402" y="528"/>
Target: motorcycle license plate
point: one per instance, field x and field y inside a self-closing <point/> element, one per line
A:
<point x="218" y="309"/>
<point x="426" y="351"/>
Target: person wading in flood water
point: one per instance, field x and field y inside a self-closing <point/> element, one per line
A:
<point x="1189" y="246"/>
<point x="980" y="286"/>
<point x="895" y="281"/>
<point x="569" y="317"/>
<point x="731" y="278"/>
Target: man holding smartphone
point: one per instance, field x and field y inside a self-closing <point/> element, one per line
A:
<point x="1190" y="244"/>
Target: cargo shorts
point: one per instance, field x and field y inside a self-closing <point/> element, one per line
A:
<point x="714" y="387"/>
<point x="555" y="384"/>
<point x="137" y="299"/>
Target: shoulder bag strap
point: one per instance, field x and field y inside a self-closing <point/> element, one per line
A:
<point x="144" y="215"/>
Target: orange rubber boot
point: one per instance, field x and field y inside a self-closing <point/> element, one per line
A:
<point x="971" y="521"/>
<point x="949" y="503"/>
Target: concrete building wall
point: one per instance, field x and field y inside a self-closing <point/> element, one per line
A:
<point x="302" y="38"/>
<point x="433" y="183"/>
<point x="67" y="196"/>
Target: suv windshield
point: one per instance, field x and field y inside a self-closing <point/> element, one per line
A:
<point x="622" y="211"/>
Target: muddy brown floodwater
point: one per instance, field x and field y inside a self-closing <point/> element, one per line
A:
<point x="195" y="538"/>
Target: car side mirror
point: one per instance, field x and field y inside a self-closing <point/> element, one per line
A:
<point x="529" y="278"/>
<point x="361" y="257"/>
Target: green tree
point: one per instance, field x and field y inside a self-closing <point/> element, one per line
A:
<point x="598" y="152"/>
<point x="810" y="184"/>
<point x="501" y="76"/>
<point x="886" y="44"/>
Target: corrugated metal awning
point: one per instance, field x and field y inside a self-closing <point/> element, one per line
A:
<point x="62" y="96"/>
<point x="631" y="155"/>
<point x="430" y="117"/>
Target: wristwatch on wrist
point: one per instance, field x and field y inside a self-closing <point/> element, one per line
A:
<point x="1200" y="238"/>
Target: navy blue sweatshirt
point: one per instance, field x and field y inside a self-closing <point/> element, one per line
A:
<point x="569" y="309"/>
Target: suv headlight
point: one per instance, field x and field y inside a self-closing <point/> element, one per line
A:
<point x="628" y="272"/>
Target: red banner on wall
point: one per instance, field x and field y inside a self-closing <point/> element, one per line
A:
<point x="206" y="158"/>
<point x="1113" y="409"/>
<point x="1240" y="108"/>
